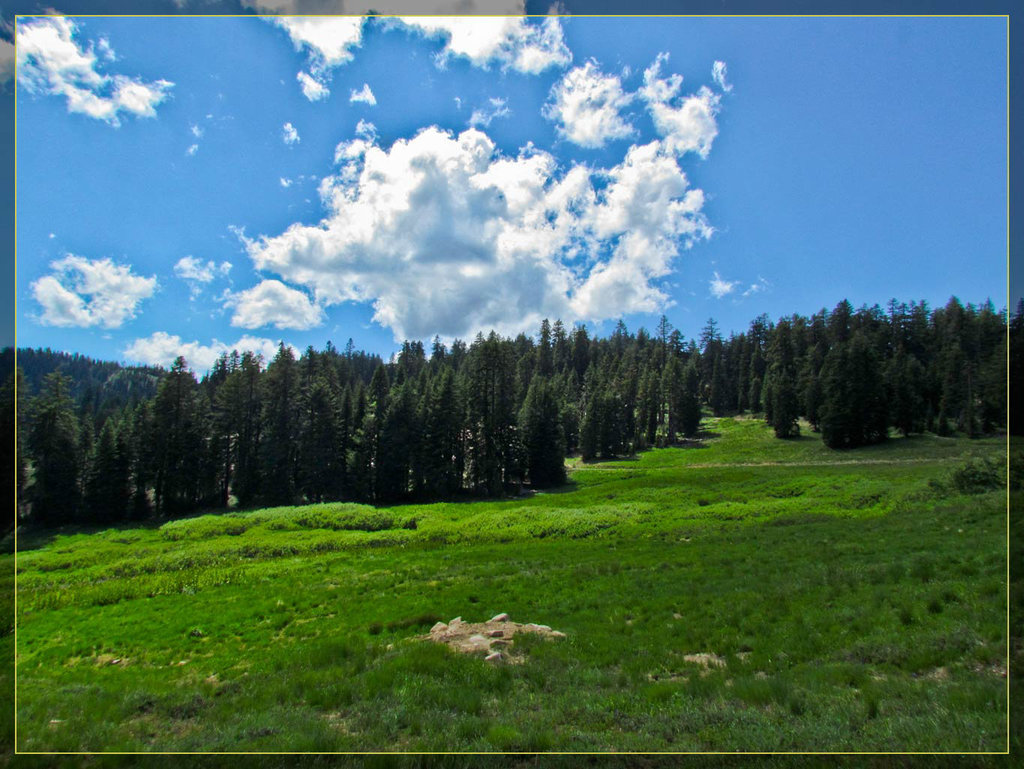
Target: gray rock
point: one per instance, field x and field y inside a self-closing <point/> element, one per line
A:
<point x="503" y="617"/>
<point x="439" y="627"/>
<point x="495" y="657"/>
<point x="495" y="633"/>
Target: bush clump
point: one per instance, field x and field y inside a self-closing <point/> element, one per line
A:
<point x="976" y="476"/>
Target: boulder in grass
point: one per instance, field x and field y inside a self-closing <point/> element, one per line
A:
<point x="503" y="617"/>
<point x="494" y="658"/>
<point x="439" y="627"/>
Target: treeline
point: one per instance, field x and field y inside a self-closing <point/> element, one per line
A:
<point x="485" y="418"/>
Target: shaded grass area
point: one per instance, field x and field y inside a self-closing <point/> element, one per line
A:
<point x="853" y="606"/>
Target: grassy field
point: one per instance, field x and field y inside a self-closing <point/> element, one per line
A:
<point x="852" y="601"/>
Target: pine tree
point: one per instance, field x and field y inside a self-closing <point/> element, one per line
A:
<point x="398" y="444"/>
<point x="689" y="411"/>
<point x="904" y="384"/>
<point x="319" y="457"/>
<point x="178" y="439"/>
<point x="542" y="436"/>
<point x="279" y="447"/>
<point x="108" y="495"/>
<point x="545" y="355"/>
<point x="53" y="442"/>
<point x="782" y="407"/>
<point x="719" y="387"/>
<point x="673" y="388"/>
<point x="490" y="404"/>
<point x="440" y="449"/>
<point x="854" y="411"/>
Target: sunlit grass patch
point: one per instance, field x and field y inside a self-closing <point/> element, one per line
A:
<point x="833" y="587"/>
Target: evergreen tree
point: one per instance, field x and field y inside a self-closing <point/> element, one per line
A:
<point x="719" y="387"/>
<point x="854" y="411"/>
<point x="108" y="495"/>
<point x="398" y="444"/>
<point x="783" y="406"/>
<point x="178" y="439"/>
<point x="279" y="447"/>
<point x="320" y="459"/>
<point x="542" y="436"/>
<point x="53" y="442"/>
<point x="904" y="384"/>
<point x="689" y="413"/>
<point x="673" y="388"/>
<point x="545" y="355"/>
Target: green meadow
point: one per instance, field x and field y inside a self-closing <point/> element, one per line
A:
<point x="741" y="593"/>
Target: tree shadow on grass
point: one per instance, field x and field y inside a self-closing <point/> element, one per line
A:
<point x="35" y="538"/>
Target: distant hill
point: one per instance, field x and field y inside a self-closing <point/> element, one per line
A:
<point x="98" y="387"/>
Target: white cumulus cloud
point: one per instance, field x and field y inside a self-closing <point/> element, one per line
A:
<point x="586" y="107"/>
<point x="161" y="348"/>
<point x="510" y="42"/>
<point x="289" y="134"/>
<point x="687" y="125"/>
<point x="364" y="96"/>
<point x="84" y="292"/>
<point x="50" y="61"/>
<point x="443" y="233"/>
<point x="328" y="42"/>
<point x="273" y="303"/>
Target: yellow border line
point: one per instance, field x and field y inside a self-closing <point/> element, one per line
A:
<point x="1009" y="311"/>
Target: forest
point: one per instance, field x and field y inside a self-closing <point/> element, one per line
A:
<point x="100" y="443"/>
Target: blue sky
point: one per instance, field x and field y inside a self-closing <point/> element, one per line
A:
<point x="183" y="198"/>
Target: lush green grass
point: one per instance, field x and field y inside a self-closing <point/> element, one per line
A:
<point x="857" y="601"/>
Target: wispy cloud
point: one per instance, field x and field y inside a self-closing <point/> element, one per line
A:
<point x="363" y="96"/>
<point x="484" y="116"/>
<point x="720" y="288"/>
<point x="289" y="134"/>
<point x="718" y="73"/>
